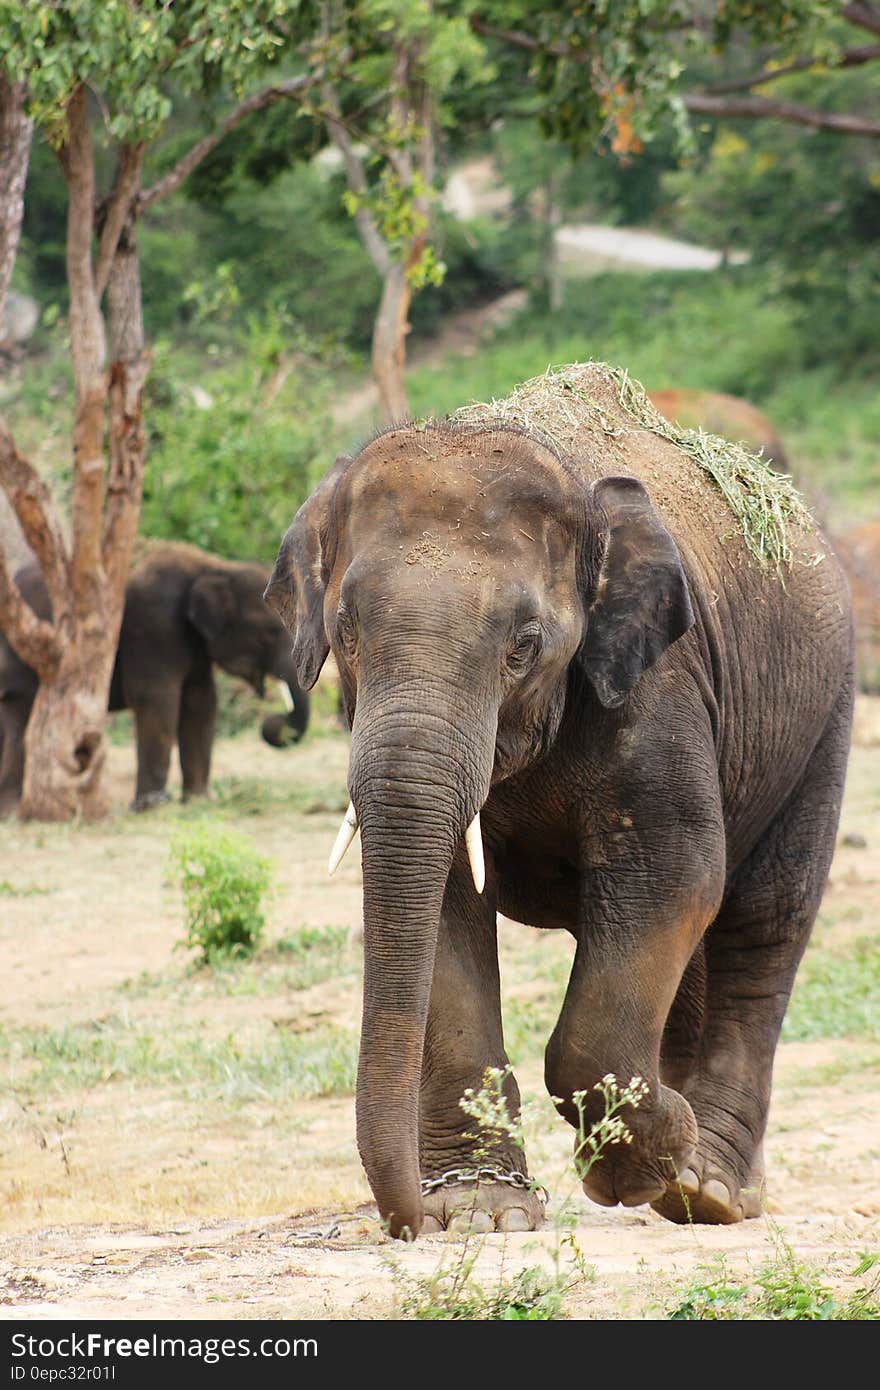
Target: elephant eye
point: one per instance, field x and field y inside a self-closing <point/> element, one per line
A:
<point x="525" y="648"/>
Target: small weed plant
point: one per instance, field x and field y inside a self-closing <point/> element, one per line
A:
<point x="536" y="1293"/>
<point x="785" y="1289"/>
<point x="223" y="879"/>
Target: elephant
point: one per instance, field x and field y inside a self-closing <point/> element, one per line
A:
<point x="580" y="697"/>
<point x="859" y="551"/>
<point x="185" y="612"/>
<point x="725" y="415"/>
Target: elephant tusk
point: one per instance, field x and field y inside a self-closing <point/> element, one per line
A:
<point x="286" y="696"/>
<point x="473" y="841"/>
<point x="347" y="832"/>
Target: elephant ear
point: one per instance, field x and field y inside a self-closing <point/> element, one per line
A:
<point x="211" y="605"/>
<point x="299" y="580"/>
<point x="641" y="603"/>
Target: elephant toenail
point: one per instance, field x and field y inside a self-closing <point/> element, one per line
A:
<point x="688" y="1181"/>
<point x="716" y="1191"/>
<point x="431" y="1225"/>
<point x="513" y="1219"/>
<point x="475" y="1222"/>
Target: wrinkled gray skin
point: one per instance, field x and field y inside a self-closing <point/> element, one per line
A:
<point x="655" y="733"/>
<point x="185" y="611"/>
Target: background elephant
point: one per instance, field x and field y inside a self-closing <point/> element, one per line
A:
<point x="718" y="413"/>
<point x="578" y="697"/>
<point x="185" y="611"/>
<point x="859" y="550"/>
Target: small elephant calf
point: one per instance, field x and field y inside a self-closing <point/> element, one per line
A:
<point x="185" y="612"/>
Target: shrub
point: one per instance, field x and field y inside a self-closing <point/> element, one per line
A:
<point x="223" y="880"/>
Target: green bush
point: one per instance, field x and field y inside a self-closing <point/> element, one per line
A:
<point x="229" y="477"/>
<point x="223" y="880"/>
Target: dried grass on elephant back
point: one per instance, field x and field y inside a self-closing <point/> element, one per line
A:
<point x="598" y="415"/>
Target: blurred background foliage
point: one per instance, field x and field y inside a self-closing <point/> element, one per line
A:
<point x="260" y="299"/>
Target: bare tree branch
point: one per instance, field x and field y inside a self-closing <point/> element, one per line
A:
<point x="16" y="129"/>
<point x="851" y="58"/>
<point x="863" y="16"/>
<point x="517" y="39"/>
<point x="130" y="364"/>
<point x="31" y="638"/>
<point x="116" y="208"/>
<point x="87" y="351"/>
<point x="293" y="87"/>
<point x="356" y="179"/>
<point x="761" y="108"/>
<point x="711" y="103"/>
<point x="76" y="158"/>
<point x="32" y="504"/>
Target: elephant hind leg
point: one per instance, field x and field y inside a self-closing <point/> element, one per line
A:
<point x="683" y="1031"/>
<point x="156" y="729"/>
<point x="753" y="949"/>
<point x="198" y="717"/>
<point x="14" y="715"/>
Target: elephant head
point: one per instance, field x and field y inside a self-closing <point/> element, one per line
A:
<point x="464" y="581"/>
<point x="225" y="605"/>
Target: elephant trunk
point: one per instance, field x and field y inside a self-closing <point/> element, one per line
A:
<point x="280" y="730"/>
<point x="416" y="786"/>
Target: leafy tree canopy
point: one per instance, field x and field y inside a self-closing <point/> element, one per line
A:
<point x="129" y="50"/>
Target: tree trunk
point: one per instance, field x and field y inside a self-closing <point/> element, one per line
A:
<point x="64" y="743"/>
<point x="389" y="342"/>
<point x="16" y="130"/>
<point x="551" y="268"/>
<point x="65" y="747"/>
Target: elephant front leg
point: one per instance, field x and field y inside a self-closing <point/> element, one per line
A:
<point x="463" y="1038"/>
<point x="622" y="986"/>
<point x="198" y="716"/>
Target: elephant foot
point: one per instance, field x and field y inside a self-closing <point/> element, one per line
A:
<point x="633" y="1173"/>
<point x="706" y="1194"/>
<point x="202" y="793"/>
<point x="474" y="1208"/>
<point x="145" y="801"/>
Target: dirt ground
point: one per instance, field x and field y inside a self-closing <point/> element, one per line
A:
<point x="177" y="1142"/>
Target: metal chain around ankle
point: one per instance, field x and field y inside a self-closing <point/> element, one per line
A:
<point x="489" y="1175"/>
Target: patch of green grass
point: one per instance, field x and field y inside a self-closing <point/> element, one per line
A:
<point x="711" y="1296"/>
<point x="21" y="890"/>
<point x="249" y="796"/>
<point x="451" y="1294"/>
<point x="298" y="960"/>
<point x="314" y="954"/>
<point x="837" y="993"/>
<point x="278" y="1065"/>
<point x="843" y="1068"/>
<point x="784" y="1290"/>
<point x="528" y="1024"/>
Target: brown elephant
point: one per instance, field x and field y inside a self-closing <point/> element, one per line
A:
<point x="185" y="612"/>
<point x="577" y="697"/>
<point x="724" y="415"/>
<point x="859" y="551"/>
